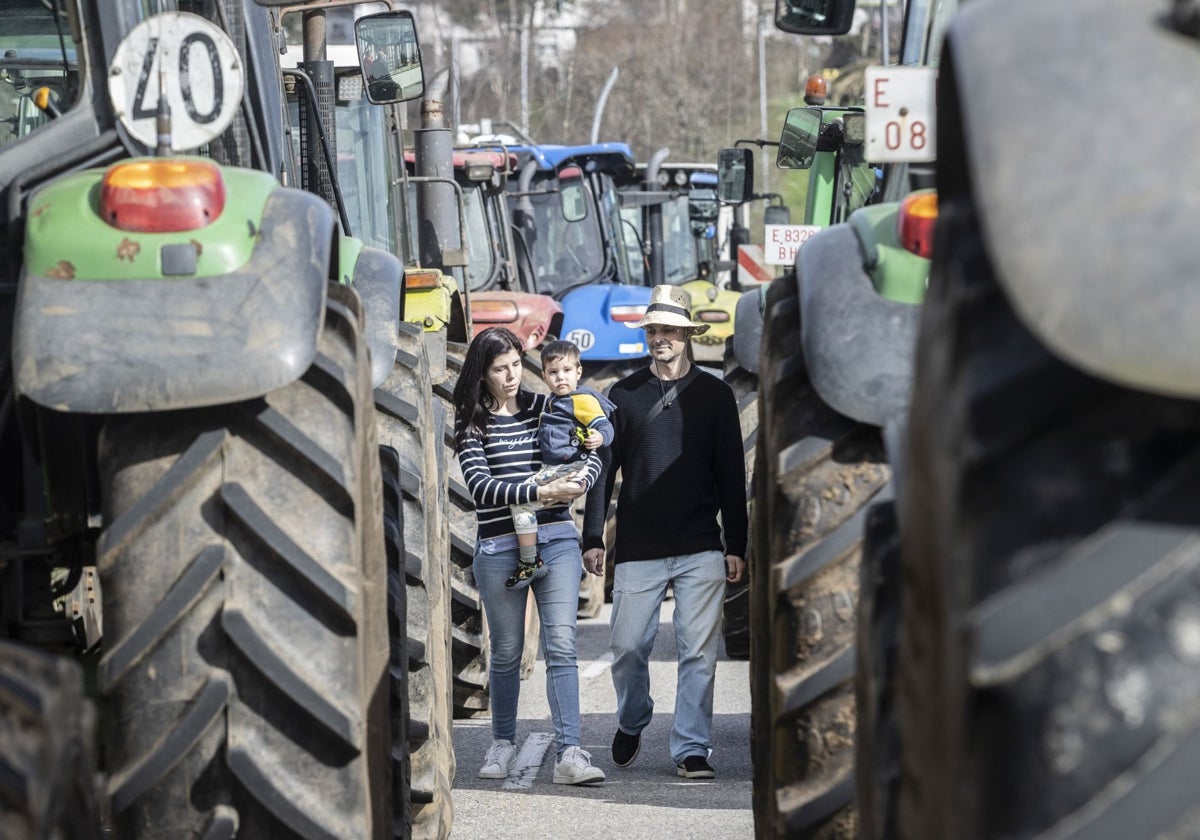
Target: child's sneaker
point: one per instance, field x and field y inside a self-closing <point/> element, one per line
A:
<point x="499" y="760"/>
<point x="527" y="573"/>
<point x="575" y="768"/>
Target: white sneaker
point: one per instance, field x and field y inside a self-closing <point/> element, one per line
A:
<point x="499" y="759"/>
<point x="575" y="768"/>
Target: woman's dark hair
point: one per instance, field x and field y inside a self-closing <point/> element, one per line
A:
<point x="472" y="400"/>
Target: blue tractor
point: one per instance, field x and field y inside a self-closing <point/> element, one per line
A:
<point x="574" y="245"/>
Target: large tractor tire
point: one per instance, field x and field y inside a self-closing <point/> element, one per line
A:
<point x="1048" y="669"/>
<point x="876" y="745"/>
<point x="470" y="634"/>
<point x="817" y="473"/>
<point x="737" y="595"/>
<point x="47" y="788"/>
<point x="410" y="429"/>
<point x="245" y="580"/>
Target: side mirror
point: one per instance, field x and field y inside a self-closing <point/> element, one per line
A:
<point x="798" y="143"/>
<point x="777" y="214"/>
<point x="814" y="17"/>
<point x="735" y="175"/>
<point x="390" y="57"/>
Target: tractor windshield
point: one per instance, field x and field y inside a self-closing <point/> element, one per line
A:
<point x="568" y="250"/>
<point x="37" y="61"/>
<point x="679" y="244"/>
<point x="362" y="163"/>
<point x="481" y="246"/>
<point x="626" y="240"/>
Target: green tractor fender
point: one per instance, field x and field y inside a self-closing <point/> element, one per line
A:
<point x="858" y="345"/>
<point x="378" y="278"/>
<point x="1087" y="216"/>
<point x="112" y="321"/>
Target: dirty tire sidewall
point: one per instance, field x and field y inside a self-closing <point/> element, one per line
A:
<point x="818" y="472"/>
<point x="245" y="657"/>
<point x="409" y="425"/>
<point x="469" y="643"/>
<point x="47" y="761"/>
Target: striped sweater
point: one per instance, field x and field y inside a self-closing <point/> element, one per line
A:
<point x="496" y="466"/>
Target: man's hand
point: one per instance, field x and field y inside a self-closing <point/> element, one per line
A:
<point x="593" y="441"/>
<point x="593" y="561"/>
<point x="735" y="568"/>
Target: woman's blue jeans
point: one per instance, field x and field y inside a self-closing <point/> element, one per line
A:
<point x="557" y="594"/>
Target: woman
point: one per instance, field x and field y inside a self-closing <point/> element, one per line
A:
<point x="495" y="433"/>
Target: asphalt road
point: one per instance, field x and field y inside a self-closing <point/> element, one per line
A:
<point x="646" y="801"/>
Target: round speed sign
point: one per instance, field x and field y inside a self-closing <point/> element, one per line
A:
<point x="196" y="65"/>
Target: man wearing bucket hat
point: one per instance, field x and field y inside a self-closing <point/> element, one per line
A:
<point x="678" y="448"/>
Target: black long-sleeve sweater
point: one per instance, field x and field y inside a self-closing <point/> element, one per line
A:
<point x="685" y="468"/>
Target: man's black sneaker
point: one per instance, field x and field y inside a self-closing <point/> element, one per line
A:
<point x="695" y="767"/>
<point x="625" y="748"/>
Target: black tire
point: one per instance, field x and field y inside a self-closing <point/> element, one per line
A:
<point x="410" y="428"/>
<point x="470" y="635"/>
<point x="245" y="581"/>
<point x="736" y="625"/>
<point x="47" y="788"/>
<point x="819" y="470"/>
<point x="1045" y="688"/>
<point x="876" y="741"/>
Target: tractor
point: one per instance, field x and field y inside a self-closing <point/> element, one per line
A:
<point x="197" y="527"/>
<point x="834" y="369"/>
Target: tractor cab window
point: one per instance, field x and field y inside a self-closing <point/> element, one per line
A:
<point x="481" y="255"/>
<point x="39" y="67"/>
<point x="627" y="239"/>
<point x="565" y="253"/>
<point x="679" y="245"/>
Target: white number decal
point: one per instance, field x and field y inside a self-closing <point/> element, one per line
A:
<point x="583" y="339"/>
<point x="200" y="72"/>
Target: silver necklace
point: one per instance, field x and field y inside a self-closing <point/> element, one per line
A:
<point x="662" y="390"/>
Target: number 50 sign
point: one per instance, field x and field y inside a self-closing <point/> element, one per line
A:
<point x="196" y="66"/>
<point x="901" y="114"/>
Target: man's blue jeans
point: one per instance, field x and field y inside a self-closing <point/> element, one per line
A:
<point x="639" y="587"/>
<point x="557" y="594"/>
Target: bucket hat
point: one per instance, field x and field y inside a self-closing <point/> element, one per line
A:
<point x="670" y="306"/>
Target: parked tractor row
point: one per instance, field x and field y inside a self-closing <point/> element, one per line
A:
<point x="977" y="403"/>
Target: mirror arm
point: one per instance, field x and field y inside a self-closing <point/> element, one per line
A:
<point x="759" y="143"/>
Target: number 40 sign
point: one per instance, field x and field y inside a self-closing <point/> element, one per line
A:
<point x="196" y="66"/>
<point x="901" y="114"/>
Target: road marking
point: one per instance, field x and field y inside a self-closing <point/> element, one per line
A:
<point x="599" y="666"/>
<point x="529" y="759"/>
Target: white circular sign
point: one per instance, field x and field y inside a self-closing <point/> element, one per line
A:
<point x="583" y="339"/>
<point x="196" y="63"/>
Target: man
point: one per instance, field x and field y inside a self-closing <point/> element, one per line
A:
<point x="679" y="450"/>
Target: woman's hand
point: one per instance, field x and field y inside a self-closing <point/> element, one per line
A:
<point x="561" y="490"/>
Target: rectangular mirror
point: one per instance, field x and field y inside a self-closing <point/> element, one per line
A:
<point x="735" y="175"/>
<point x="798" y="142"/>
<point x="814" y="17"/>
<point x="390" y="57"/>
